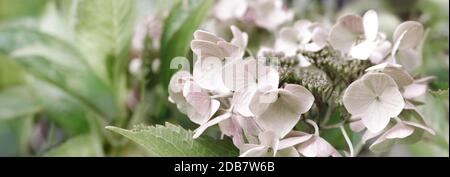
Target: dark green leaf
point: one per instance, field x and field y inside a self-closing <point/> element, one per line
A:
<point x="178" y="32"/>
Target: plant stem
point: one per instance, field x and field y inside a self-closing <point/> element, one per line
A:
<point x="337" y="125"/>
<point x="316" y="128"/>
<point x="328" y="114"/>
<point x="347" y="139"/>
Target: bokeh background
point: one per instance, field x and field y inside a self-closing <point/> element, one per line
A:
<point x="59" y="107"/>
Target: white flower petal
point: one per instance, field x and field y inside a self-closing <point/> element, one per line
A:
<point x="304" y="97"/>
<point x="357" y="98"/>
<point x="303" y="33"/>
<point x="317" y="147"/>
<point x="319" y="40"/>
<point x="240" y="38"/>
<point x="292" y="141"/>
<point x="363" y="50"/>
<point x="241" y="101"/>
<point x="380" y="52"/>
<point x="410" y="59"/>
<point x="400" y="130"/>
<point x="231" y="128"/>
<point x="206" y="36"/>
<point x="228" y="9"/>
<point x="248" y="125"/>
<point x="288" y="152"/>
<point x="369" y="135"/>
<point x="269" y="139"/>
<point x="208" y="74"/>
<point x="408" y="34"/>
<point x="270" y="14"/>
<point x="207" y="49"/>
<point x="420" y="126"/>
<point x="214" y="121"/>
<point x="354" y="23"/>
<point x="414" y="90"/>
<point x="253" y="150"/>
<point x="230" y="50"/>
<point x="374" y="119"/>
<point x="287" y="42"/>
<point x="395" y="71"/>
<point x="370" y="22"/>
<point x="303" y="62"/>
<point x="279" y="116"/>
<point x="386" y="140"/>
<point x="237" y="75"/>
<point x="202" y="108"/>
<point x="176" y="85"/>
<point x="345" y="32"/>
<point x="357" y="126"/>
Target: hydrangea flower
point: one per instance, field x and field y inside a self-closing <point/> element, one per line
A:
<point x="375" y="98"/>
<point x="259" y="105"/>
<point x="212" y="52"/>
<point x="175" y="89"/>
<point x="279" y="110"/>
<point x="381" y="51"/>
<point x="268" y="14"/>
<point x="407" y="38"/>
<point x="411" y="88"/>
<point x="202" y="107"/>
<point x="245" y="77"/>
<point x="230" y="9"/>
<point x="304" y="35"/>
<point x="355" y="36"/>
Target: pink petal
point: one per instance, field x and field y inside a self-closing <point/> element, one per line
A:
<point x="206" y="36"/>
<point x="203" y="127"/>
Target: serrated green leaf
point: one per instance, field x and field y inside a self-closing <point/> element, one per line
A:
<point x="179" y="27"/>
<point x="79" y="146"/>
<point x="103" y="30"/>
<point x="172" y="140"/>
<point x="440" y="93"/>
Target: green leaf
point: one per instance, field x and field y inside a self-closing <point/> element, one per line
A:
<point x="103" y="30"/>
<point x="16" y="102"/>
<point x="14" y="135"/>
<point x="10" y="73"/>
<point x="435" y="111"/>
<point x="59" y="64"/>
<point x="10" y="9"/>
<point x="178" y="31"/>
<point x="65" y="110"/>
<point x="172" y="140"/>
<point x="79" y="146"/>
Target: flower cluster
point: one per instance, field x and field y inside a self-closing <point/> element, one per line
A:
<point x="259" y="101"/>
<point x="267" y="14"/>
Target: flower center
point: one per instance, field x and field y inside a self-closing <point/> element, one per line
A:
<point x="377" y="98"/>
